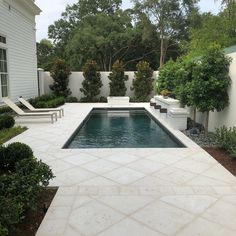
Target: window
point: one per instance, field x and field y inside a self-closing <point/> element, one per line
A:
<point x="3" y="72"/>
<point x="3" y="39"/>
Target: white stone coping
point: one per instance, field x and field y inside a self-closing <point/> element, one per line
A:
<point x="118" y="100"/>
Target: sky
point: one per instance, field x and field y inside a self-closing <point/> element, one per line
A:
<point x="51" y="11"/>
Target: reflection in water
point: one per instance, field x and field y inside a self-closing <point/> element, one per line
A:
<point x="121" y="129"/>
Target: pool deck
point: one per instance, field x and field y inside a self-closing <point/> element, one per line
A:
<point x="130" y="192"/>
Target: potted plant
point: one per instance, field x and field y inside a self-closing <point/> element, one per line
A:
<point x="165" y="93"/>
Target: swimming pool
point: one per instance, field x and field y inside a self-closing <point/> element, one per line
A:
<point x="121" y="128"/>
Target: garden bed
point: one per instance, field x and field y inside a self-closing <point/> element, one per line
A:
<point x="7" y="134"/>
<point x="33" y="218"/>
<point x="224" y="158"/>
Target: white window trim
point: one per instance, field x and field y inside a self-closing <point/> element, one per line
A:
<point x="5" y="47"/>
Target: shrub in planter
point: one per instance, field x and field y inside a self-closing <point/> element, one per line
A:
<point x="92" y="82"/>
<point x="118" y="78"/>
<point x="6" y="122"/>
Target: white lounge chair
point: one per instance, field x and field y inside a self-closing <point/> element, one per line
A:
<point x="20" y="112"/>
<point x="33" y="109"/>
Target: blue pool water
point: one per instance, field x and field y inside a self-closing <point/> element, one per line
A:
<point x="105" y="128"/>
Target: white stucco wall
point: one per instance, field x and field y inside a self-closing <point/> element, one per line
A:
<point x="17" y="24"/>
<point x="76" y="79"/>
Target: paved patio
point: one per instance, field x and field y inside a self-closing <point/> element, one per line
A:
<point x="130" y="192"/>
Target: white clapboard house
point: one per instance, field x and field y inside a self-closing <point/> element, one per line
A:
<point x="18" y="59"/>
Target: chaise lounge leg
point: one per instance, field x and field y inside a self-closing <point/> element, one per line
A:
<point x="52" y="118"/>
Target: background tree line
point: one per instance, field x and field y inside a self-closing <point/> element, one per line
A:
<point x="153" y="30"/>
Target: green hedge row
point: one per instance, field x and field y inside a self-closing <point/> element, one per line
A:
<point x="47" y="101"/>
<point x="22" y="177"/>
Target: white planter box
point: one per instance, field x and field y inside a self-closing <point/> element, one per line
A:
<point x="118" y="101"/>
<point x="167" y="103"/>
<point x="177" y="118"/>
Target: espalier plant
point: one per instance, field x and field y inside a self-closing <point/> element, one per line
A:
<point x="143" y="82"/>
<point x="60" y="73"/>
<point x="118" y="78"/>
<point x="92" y="81"/>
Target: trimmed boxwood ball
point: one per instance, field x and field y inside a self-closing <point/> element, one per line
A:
<point x="14" y="153"/>
<point x="6" y="122"/>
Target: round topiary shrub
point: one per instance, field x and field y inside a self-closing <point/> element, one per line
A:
<point x="6" y="122"/>
<point x="14" y="153"/>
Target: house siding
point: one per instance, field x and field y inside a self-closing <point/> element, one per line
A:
<point x="18" y="25"/>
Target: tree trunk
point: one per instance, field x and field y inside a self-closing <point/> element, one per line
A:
<point x="162" y="51"/>
<point x="206" y="123"/>
<point x="194" y="117"/>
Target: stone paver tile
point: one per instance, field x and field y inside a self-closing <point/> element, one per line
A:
<point x="79" y="159"/>
<point x="163" y="217"/>
<point x="129" y="227"/>
<point x="202" y="227"/>
<point x="121" y="158"/>
<point x="124" y="175"/>
<point x="220" y="173"/>
<point x="152" y="181"/>
<point x="71" y="232"/>
<point x="100" y="166"/>
<point x="222" y="190"/>
<point x="222" y="213"/>
<point x="193" y="166"/>
<point x="74" y="176"/>
<point x="98" y="181"/>
<point x="67" y="190"/>
<point x="174" y="175"/>
<point x="146" y="166"/>
<point x="53" y="227"/>
<point x="230" y="198"/>
<point x="205" y="181"/>
<point x="126" y="204"/>
<point x="80" y="200"/>
<point x="191" y="203"/>
<point x="164" y="158"/>
<point x="62" y="201"/>
<point x="58" y="212"/>
<point x="183" y="190"/>
<point x="58" y="166"/>
<point x="93" y="218"/>
<point x="202" y="156"/>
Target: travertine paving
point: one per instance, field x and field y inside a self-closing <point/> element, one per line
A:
<point x="130" y="192"/>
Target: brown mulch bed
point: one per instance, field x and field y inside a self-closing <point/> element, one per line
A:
<point x="223" y="157"/>
<point x="33" y="219"/>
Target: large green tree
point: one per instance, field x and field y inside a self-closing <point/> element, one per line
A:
<point x="171" y="18"/>
<point x="45" y="54"/>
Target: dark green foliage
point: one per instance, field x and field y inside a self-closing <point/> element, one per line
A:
<point x="21" y="178"/>
<point x="7" y="134"/>
<point x="143" y="82"/>
<point x="47" y="101"/>
<point x="45" y="54"/>
<point x="6" y="122"/>
<point x="60" y="73"/>
<point x="72" y="99"/>
<point x="102" y="99"/>
<point x="118" y="78"/>
<point x="14" y="153"/>
<point x="92" y="81"/>
<point x="5" y="109"/>
<point x="167" y="79"/>
<point x="226" y="139"/>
